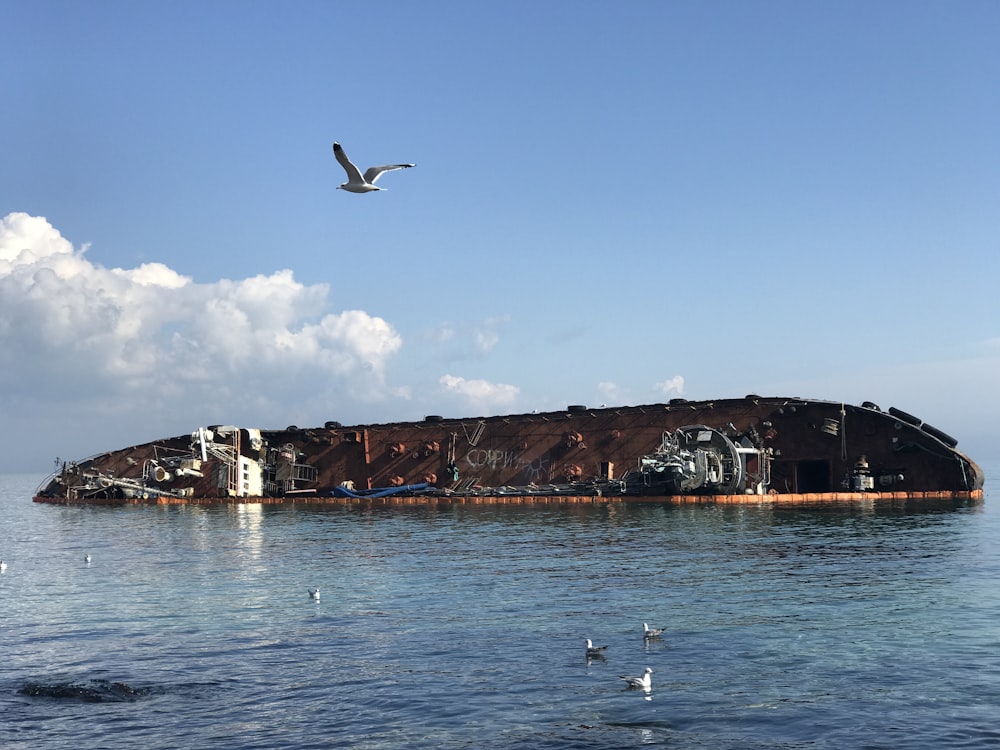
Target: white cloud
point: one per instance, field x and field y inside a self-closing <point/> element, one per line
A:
<point x="93" y="358"/>
<point x="488" y="334"/>
<point x="612" y="393"/>
<point x="486" y="341"/>
<point x="72" y="329"/>
<point x="468" y="340"/>
<point x="24" y="239"/>
<point x="481" y="394"/>
<point x="444" y="333"/>
<point x="671" y="386"/>
<point x="153" y="274"/>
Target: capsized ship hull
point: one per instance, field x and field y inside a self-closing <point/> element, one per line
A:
<point x="728" y="450"/>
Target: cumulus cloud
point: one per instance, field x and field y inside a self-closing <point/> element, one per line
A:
<point x="480" y="395"/>
<point x="69" y="326"/>
<point x="671" y="386"/>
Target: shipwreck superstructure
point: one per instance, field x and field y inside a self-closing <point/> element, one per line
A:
<point x="752" y="447"/>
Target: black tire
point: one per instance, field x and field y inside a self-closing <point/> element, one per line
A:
<point x="944" y="437"/>
<point x="902" y="416"/>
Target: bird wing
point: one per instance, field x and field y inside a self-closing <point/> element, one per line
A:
<point x="353" y="173"/>
<point x="373" y="173"/>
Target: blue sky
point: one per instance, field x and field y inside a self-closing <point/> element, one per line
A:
<point x="613" y="203"/>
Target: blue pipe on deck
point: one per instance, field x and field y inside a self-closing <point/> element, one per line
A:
<point x="379" y="491"/>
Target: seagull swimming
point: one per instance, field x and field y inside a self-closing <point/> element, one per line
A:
<point x="86" y="558"/>
<point x="3" y="566"/>
<point x="648" y="632"/>
<point x="314" y="594"/>
<point x="356" y="182"/>
<point x="593" y="650"/>
<point x="644" y="683"/>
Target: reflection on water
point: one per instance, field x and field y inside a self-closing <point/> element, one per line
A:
<point x="465" y="627"/>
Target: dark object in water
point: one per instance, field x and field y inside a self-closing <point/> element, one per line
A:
<point x="93" y="691"/>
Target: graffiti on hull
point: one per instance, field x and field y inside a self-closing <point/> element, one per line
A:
<point x="483" y="459"/>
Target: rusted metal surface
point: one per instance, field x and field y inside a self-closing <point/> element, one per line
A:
<point x="812" y="447"/>
<point x="883" y="499"/>
<point x="810" y="454"/>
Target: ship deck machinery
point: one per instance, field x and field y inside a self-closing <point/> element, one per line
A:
<point x="753" y="445"/>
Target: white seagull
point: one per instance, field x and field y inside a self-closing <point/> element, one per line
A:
<point x="86" y="558"/>
<point x="593" y="650"/>
<point x="362" y="183"/>
<point x="644" y="683"/>
<point x="648" y="632"/>
<point x="314" y="594"/>
<point x="3" y="566"/>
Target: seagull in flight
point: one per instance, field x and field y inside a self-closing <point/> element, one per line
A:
<point x="649" y="633"/>
<point x="594" y="651"/>
<point x="362" y="183"/>
<point x="643" y="683"/>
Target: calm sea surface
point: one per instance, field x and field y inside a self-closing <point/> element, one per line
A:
<point x="464" y="627"/>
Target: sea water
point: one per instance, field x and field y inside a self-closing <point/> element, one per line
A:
<point x="464" y="626"/>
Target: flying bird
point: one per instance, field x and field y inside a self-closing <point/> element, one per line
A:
<point x="648" y="632"/>
<point x="593" y="650"/>
<point x="642" y="683"/>
<point x="362" y="183"/>
<point x="314" y="594"/>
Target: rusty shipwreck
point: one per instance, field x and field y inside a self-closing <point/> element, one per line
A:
<point x="748" y="449"/>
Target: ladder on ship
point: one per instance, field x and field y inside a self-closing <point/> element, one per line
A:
<point x="228" y="455"/>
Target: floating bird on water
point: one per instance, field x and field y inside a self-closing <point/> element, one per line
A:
<point x="314" y="594"/>
<point x="362" y="183"/>
<point x="86" y="558"/>
<point x="593" y="650"/>
<point x="3" y="566"/>
<point x="648" y="632"/>
<point x="642" y="683"/>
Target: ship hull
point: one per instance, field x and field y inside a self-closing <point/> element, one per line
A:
<point x="753" y="449"/>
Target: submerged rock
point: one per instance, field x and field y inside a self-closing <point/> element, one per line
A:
<point x="94" y="691"/>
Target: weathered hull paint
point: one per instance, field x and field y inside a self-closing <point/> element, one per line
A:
<point x="804" y="451"/>
<point x="786" y="499"/>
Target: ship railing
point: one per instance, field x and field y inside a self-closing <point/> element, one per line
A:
<point x="129" y="487"/>
<point x="760" y="479"/>
<point x="61" y="467"/>
<point x="221" y="452"/>
<point x="303" y="473"/>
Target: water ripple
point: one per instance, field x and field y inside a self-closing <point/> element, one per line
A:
<point x="464" y="627"/>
